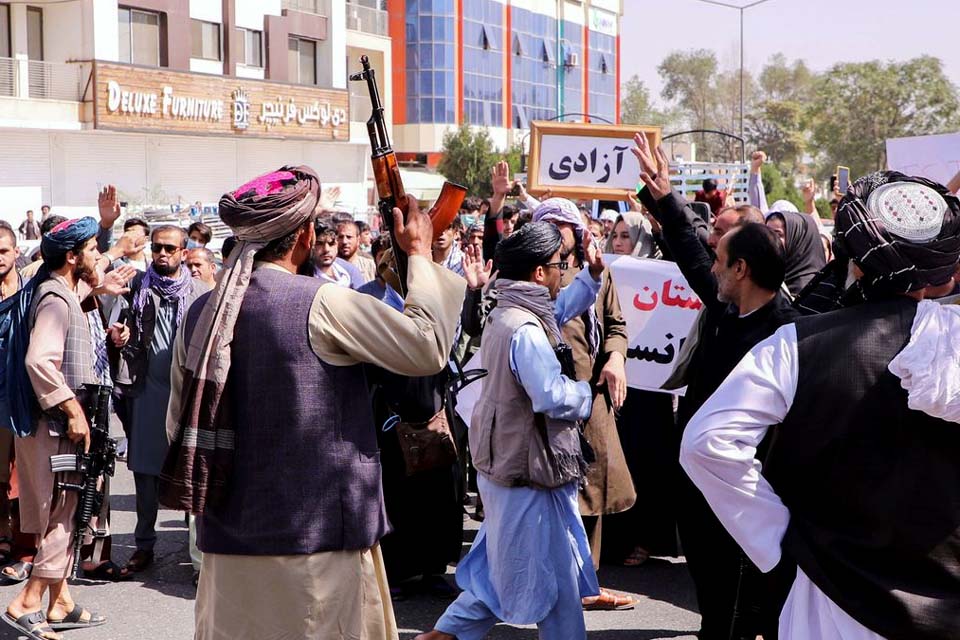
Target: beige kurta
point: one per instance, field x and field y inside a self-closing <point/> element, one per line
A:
<point x="340" y="594"/>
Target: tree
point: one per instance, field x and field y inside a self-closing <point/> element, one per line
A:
<point x="858" y="106"/>
<point x="778" y="120"/>
<point x="688" y="82"/>
<point x="468" y="154"/>
<point x="636" y="107"/>
<point x="777" y="188"/>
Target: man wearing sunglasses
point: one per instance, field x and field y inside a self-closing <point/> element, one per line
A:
<point x="158" y="300"/>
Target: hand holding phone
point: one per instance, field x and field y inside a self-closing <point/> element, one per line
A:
<point x="843" y="179"/>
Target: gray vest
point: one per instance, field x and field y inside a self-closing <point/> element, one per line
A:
<point x="873" y="487"/>
<point x="306" y="472"/>
<point x="78" y="359"/>
<point x="504" y="440"/>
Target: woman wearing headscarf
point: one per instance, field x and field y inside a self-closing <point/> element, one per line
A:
<point x="646" y="427"/>
<point x="801" y="240"/>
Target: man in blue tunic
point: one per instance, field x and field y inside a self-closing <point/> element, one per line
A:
<point x="530" y="563"/>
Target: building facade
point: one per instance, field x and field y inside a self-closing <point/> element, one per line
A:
<point x="500" y="64"/>
<point x="176" y="101"/>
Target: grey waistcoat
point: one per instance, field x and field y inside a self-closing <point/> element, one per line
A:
<point x="306" y="473"/>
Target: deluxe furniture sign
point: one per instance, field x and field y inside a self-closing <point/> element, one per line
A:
<point x="152" y="100"/>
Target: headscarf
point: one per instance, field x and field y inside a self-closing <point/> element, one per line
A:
<point x="533" y="245"/>
<point x="804" y="250"/>
<point x="67" y="235"/>
<point x="784" y="205"/>
<point x="641" y="234"/>
<point x="903" y="232"/>
<point x="560" y="211"/>
<point x="201" y="455"/>
<point x="176" y="287"/>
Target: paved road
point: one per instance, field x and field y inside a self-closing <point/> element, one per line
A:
<point x="159" y="604"/>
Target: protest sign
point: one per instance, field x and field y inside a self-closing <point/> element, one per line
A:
<point x="934" y="157"/>
<point x="576" y="160"/>
<point x="659" y="308"/>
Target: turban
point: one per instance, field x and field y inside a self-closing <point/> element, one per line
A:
<point x="66" y="236"/>
<point x="534" y="244"/>
<point x="560" y="211"/>
<point x="201" y="455"/>
<point x="903" y="233"/>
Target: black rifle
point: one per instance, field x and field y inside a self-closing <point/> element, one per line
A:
<point x="96" y="464"/>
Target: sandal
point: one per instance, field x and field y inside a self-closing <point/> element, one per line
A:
<point x="32" y="625"/>
<point x="610" y="601"/>
<point x="637" y="557"/>
<point x="139" y="561"/>
<point x="74" y="620"/>
<point x="21" y="571"/>
<point x="108" y="571"/>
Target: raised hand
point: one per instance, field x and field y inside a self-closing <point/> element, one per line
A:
<point x="500" y="179"/>
<point x="809" y="191"/>
<point x="593" y="255"/>
<point x="654" y="167"/>
<point x="114" y="283"/>
<point x="756" y="161"/>
<point x="475" y="270"/>
<point x="109" y="206"/>
<point x="328" y="199"/>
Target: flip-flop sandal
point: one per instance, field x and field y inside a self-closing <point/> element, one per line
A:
<point x="33" y="625"/>
<point x="109" y="571"/>
<point x="21" y="571"/>
<point x="610" y="601"/>
<point x="74" y="620"/>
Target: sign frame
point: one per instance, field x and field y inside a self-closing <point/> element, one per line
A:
<point x="540" y="128"/>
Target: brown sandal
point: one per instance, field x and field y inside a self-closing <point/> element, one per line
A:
<point x="610" y="601"/>
<point x="139" y="561"/>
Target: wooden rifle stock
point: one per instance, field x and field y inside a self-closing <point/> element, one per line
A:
<point x="386" y="174"/>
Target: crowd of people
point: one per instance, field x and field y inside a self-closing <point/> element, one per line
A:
<point x="301" y="411"/>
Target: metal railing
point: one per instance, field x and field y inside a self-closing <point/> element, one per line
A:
<point x="8" y="77"/>
<point x="688" y="177"/>
<point x="366" y="16"/>
<point x="54" y="80"/>
<point x="306" y="6"/>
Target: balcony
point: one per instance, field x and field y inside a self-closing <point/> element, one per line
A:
<point x="367" y="16"/>
<point x="22" y="78"/>
<point x="305" y="6"/>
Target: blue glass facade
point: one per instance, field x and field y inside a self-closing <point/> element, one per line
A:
<point x="534" y="51"/>
<point x="430" y="38"/>
<point x="603" y="76"/>
<point x="483" y="46"/>
<point x="572" y="45"/>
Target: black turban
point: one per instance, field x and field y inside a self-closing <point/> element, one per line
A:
<point x="903" y="233"/>
<point x="534" y="244"/>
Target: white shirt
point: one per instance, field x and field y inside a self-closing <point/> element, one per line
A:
<point x="718" y="453"/>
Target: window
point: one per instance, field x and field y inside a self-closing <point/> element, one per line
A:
<point x="206" y="40"/>
<point x="139" y="37"/>
<point x="302" y="60"/>
<point x="4" y="31"/>
<point x="34" y="33"/>
<point x="251" y="47"/>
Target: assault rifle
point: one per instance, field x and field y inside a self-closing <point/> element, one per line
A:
<point x="386" y="173"/>
<point x="99" y="462"/>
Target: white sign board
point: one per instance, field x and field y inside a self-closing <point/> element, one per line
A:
<point x="592" y="161"/>
<point x="659" y="308"/>
<point x="934" y="157"/>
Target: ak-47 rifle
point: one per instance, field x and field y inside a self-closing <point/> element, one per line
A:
<point x="99" y="462"/>
<point x="386" y="172"/>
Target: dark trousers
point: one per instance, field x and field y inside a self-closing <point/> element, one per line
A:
<point x="148" y="503"/>
<point x="714" y="561"/>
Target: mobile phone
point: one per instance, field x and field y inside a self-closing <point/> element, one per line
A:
<point x="515" y="191"/>
<point x="843" y="179"/>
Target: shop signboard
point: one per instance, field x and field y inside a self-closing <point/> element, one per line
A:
<point x="156" y="100"/>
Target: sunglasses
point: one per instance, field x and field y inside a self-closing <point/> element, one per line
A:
<point x="559" y="265"/>
<point x="158" y="247"/>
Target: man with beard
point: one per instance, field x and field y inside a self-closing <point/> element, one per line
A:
<point x="267" y="382"/>
<point x="60" y="360"/>
<point x="326" y="265"/>
<point x="348" y="244"/>
<point x="158" y="300"/>
<point x="861" y="486"/>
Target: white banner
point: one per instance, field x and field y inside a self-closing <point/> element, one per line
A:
<point x="934" y="157"/>
<point x="660" y="309"/>
<point x="588" y="161"/>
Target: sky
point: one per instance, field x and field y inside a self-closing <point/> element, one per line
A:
<point x="821" y="32"/>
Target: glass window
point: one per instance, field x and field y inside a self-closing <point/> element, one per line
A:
<point x="139" y="37"/>
<point x="123" y="16"/>
<point x="34" y="33"/>
<point x="206" y="40"/>
<point x="302" y="60"/>
<point x="250" y="47"/>
<point x="4" y="30"/>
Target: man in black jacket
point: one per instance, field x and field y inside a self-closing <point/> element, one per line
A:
<point x="740" y="289"/>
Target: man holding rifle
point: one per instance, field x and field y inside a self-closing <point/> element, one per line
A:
<point x="270" y="444"/>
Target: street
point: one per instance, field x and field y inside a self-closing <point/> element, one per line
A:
<point x="159" y="602"/>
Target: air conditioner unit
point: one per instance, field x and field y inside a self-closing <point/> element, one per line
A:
<point x="573" y="60"/>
